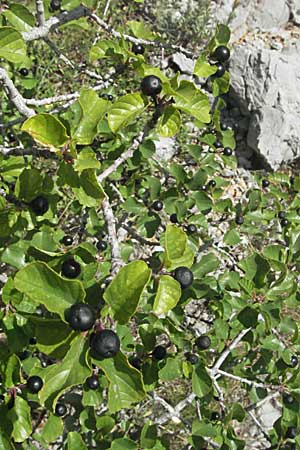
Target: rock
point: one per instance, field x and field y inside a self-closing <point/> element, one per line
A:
<point x="295" y="11"/>
<point x="183" y="63"/>
<point x="165" y="148"/>
<point x="266" y="86"/>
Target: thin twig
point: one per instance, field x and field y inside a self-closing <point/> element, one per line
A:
<point x="40" y="13"/>
<point x="112" y="237"/>
<point x="14" y="95"/>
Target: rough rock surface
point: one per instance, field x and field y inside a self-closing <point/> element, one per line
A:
<point x="266" y="88"/>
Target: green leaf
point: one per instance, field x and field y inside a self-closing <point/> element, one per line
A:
<point x="72" y="370"/>
<point x="11" y="370"/>
<point x="167" y="296"/>
<point x="125" y="383"/>
<point x="124" y="292"/>
<point x="201" y="381"/>
<point x="14" y="254"/>
<point x="248" y="317"/>
<point x="108" y="49"/>
<point x="89" y="192"/>
<point x="44" y="286"/>
<point x="86" y="160"/>
<point x="29" y="184"/>
<point x="232" y="237"/>
<point x="177" y="251"/>
<point x="208" y="263"/>
<point x="203" y="69"/>
<point x="123" y="444"/>
<point x="222" y="35"/>
<point x="46" y="129"/>
<point x="169" y="122"/>
<point x="192" y="101"/>
<point x="21" y="420"/>
<point x="52" y="336"/>
<point x="140" y="30"/>
<point x="12" y="45"/>
<point x="93" y="109"/>
<point x="125" y="110"/>
<point x="256" y="268"/>
<point x="171" y="370"/>
<point x="19" y="17"/>
<point x="148" y="435"/>
<point x="75" y="441"/>
<point x="52" y="429"/>
<point x="5" y="443"/>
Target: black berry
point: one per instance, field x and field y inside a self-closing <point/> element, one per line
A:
<point x="159" y="352"/>
<point x="281" y="214"/>
<point x="34" y="384"/>
<point x="203" y="342"/>
<point x="105" y="344"/>
<point x="284" y="223"/>
<point x="23" y="355"/>
<point x="220" y="70"/>
<point x="192" y="358"/>
<point x="215" y="415"/>
<point x="291" y="432"/>
<point x="70" y="268"/>
<point x="24" y="72"/>
<point x="151" y="85"/>
<point x="212" y="183"/>
<point x="265" y="183"/>
<point x="55" y="5"/>
<point x="218" y="144"/>
<point x="39" y="311"/>
<point x="93" y="382"/>
<point x="32" y="341"/>
<point x="173" y="218"/>
<point x="135" y="362"/>
<point x="81" y="317"/>
<point x="224" y="127"/>
<point x="288" y="399"/>
<point x="110" y="97"/>
<point x="221" y="54"/>
<point x="138" y="49"/>
<point x="184" y="276"/>
<point x="191" y="228"/>
<point x="227" y="151"/>
<point x="101" y="246"/>
<point x="67" y="240"/>
<point x="294" y="361"/>
<point x="157" y="205"/>
<point x="60" y="409"/>
<point x="39" y="205"/>
<point x="239" y="219"/>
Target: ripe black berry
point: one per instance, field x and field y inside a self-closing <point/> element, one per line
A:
<point x="138" y="49"/>
<point x="151" y="85"/>
<point x="218" y="144"/>
<point x="221" y="54"/>
<point x="39" y="205"/>
<point x="39" y="311"/>
<point x="67" y="240"/>
<point x="291" y="432"/>
<point x="101" y="246"/>
<point x="32" y="341"/>
<point x="173" y="218"/>
<point x="93" y="382"/>
<point x="135" y="362"/>
<point x="81" y="317"/>
<point x="24" y="72"/>
<point x="157" y="205"/>
<point x="239" y="219"/>
<point x="55" y="5"/>
<point x="184" y="276"/>
<point x="203" y="342"/>
<point x="224" y="127"/>
<point x="227" y="151"/>
<point x="159" y="352"/>
<point x="292" y="180"/>
<point x="265" y="183"/>
<point x="60" y="409"/>
<point x="23" y="355"/>
<point x="10" y="136"/>
<point x="110" y="97"/>
<point x="34" y="384"/>
<point x="70" y="268"/>
<point x="212" y="183"/>
<point x="294" y="361"/>
<point x="215" y="415"/>
<point x="191" y="228"/>
<point x="192" y="358"/>
<point x="288" y="399"/>
<point x="281" y="214"/>
<point x="105" y="344"/>
<point x="284" y="223"/>
<point x="220" y="70"/>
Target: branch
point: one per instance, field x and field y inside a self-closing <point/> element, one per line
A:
<point x="243" y="380"/>
<point x="14" y="95"/>
<point x="40" y="13"/>
<point x="55" y="22"/>
<point x="112" y="236"/>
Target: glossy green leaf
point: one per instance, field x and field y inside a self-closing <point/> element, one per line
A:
<point x="169" y="122"/>
<point x="21" y="420"/>
<point x="123" y="444"/>
<point x="5" y="442"/>
<point x="29" y="184"/>
<point x="192" y="101"/>
<point x="124" y="292"/>
<point x="52" y="429"/>
<point x="46" y="130"/>
<point x="72" y="370"/>
<point x="52" y="336"/>
<point x="88" y="191"/>
<point x="148" y="435"/>
<point x="86" y="160"/>
<point x="11" y="370"/>
<point x="203" y="69"/>
<point x="93" y="109"/>
<point x="140" y="30"/>
<point x="167" y="296"/>
<point x="75" y="441"/>
<point x="19" y="17"/>
<point x="107" y="49"/>
<point x="12" y="45"/>
<point x="125" y="383"/>
<point x="177" y="251"/>
<point x="43" y="285"/>
<point x="125" y="110"/>
<point x="208" y="263"/>
<point x="201" y="381"/>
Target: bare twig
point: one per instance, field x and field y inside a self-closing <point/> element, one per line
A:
<point x="259" y="425"/>
<point x="40" y="13"/>
<point x="112" y="236"/>
<point x="243" y="380"/>
<point x="14" y="95"/>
